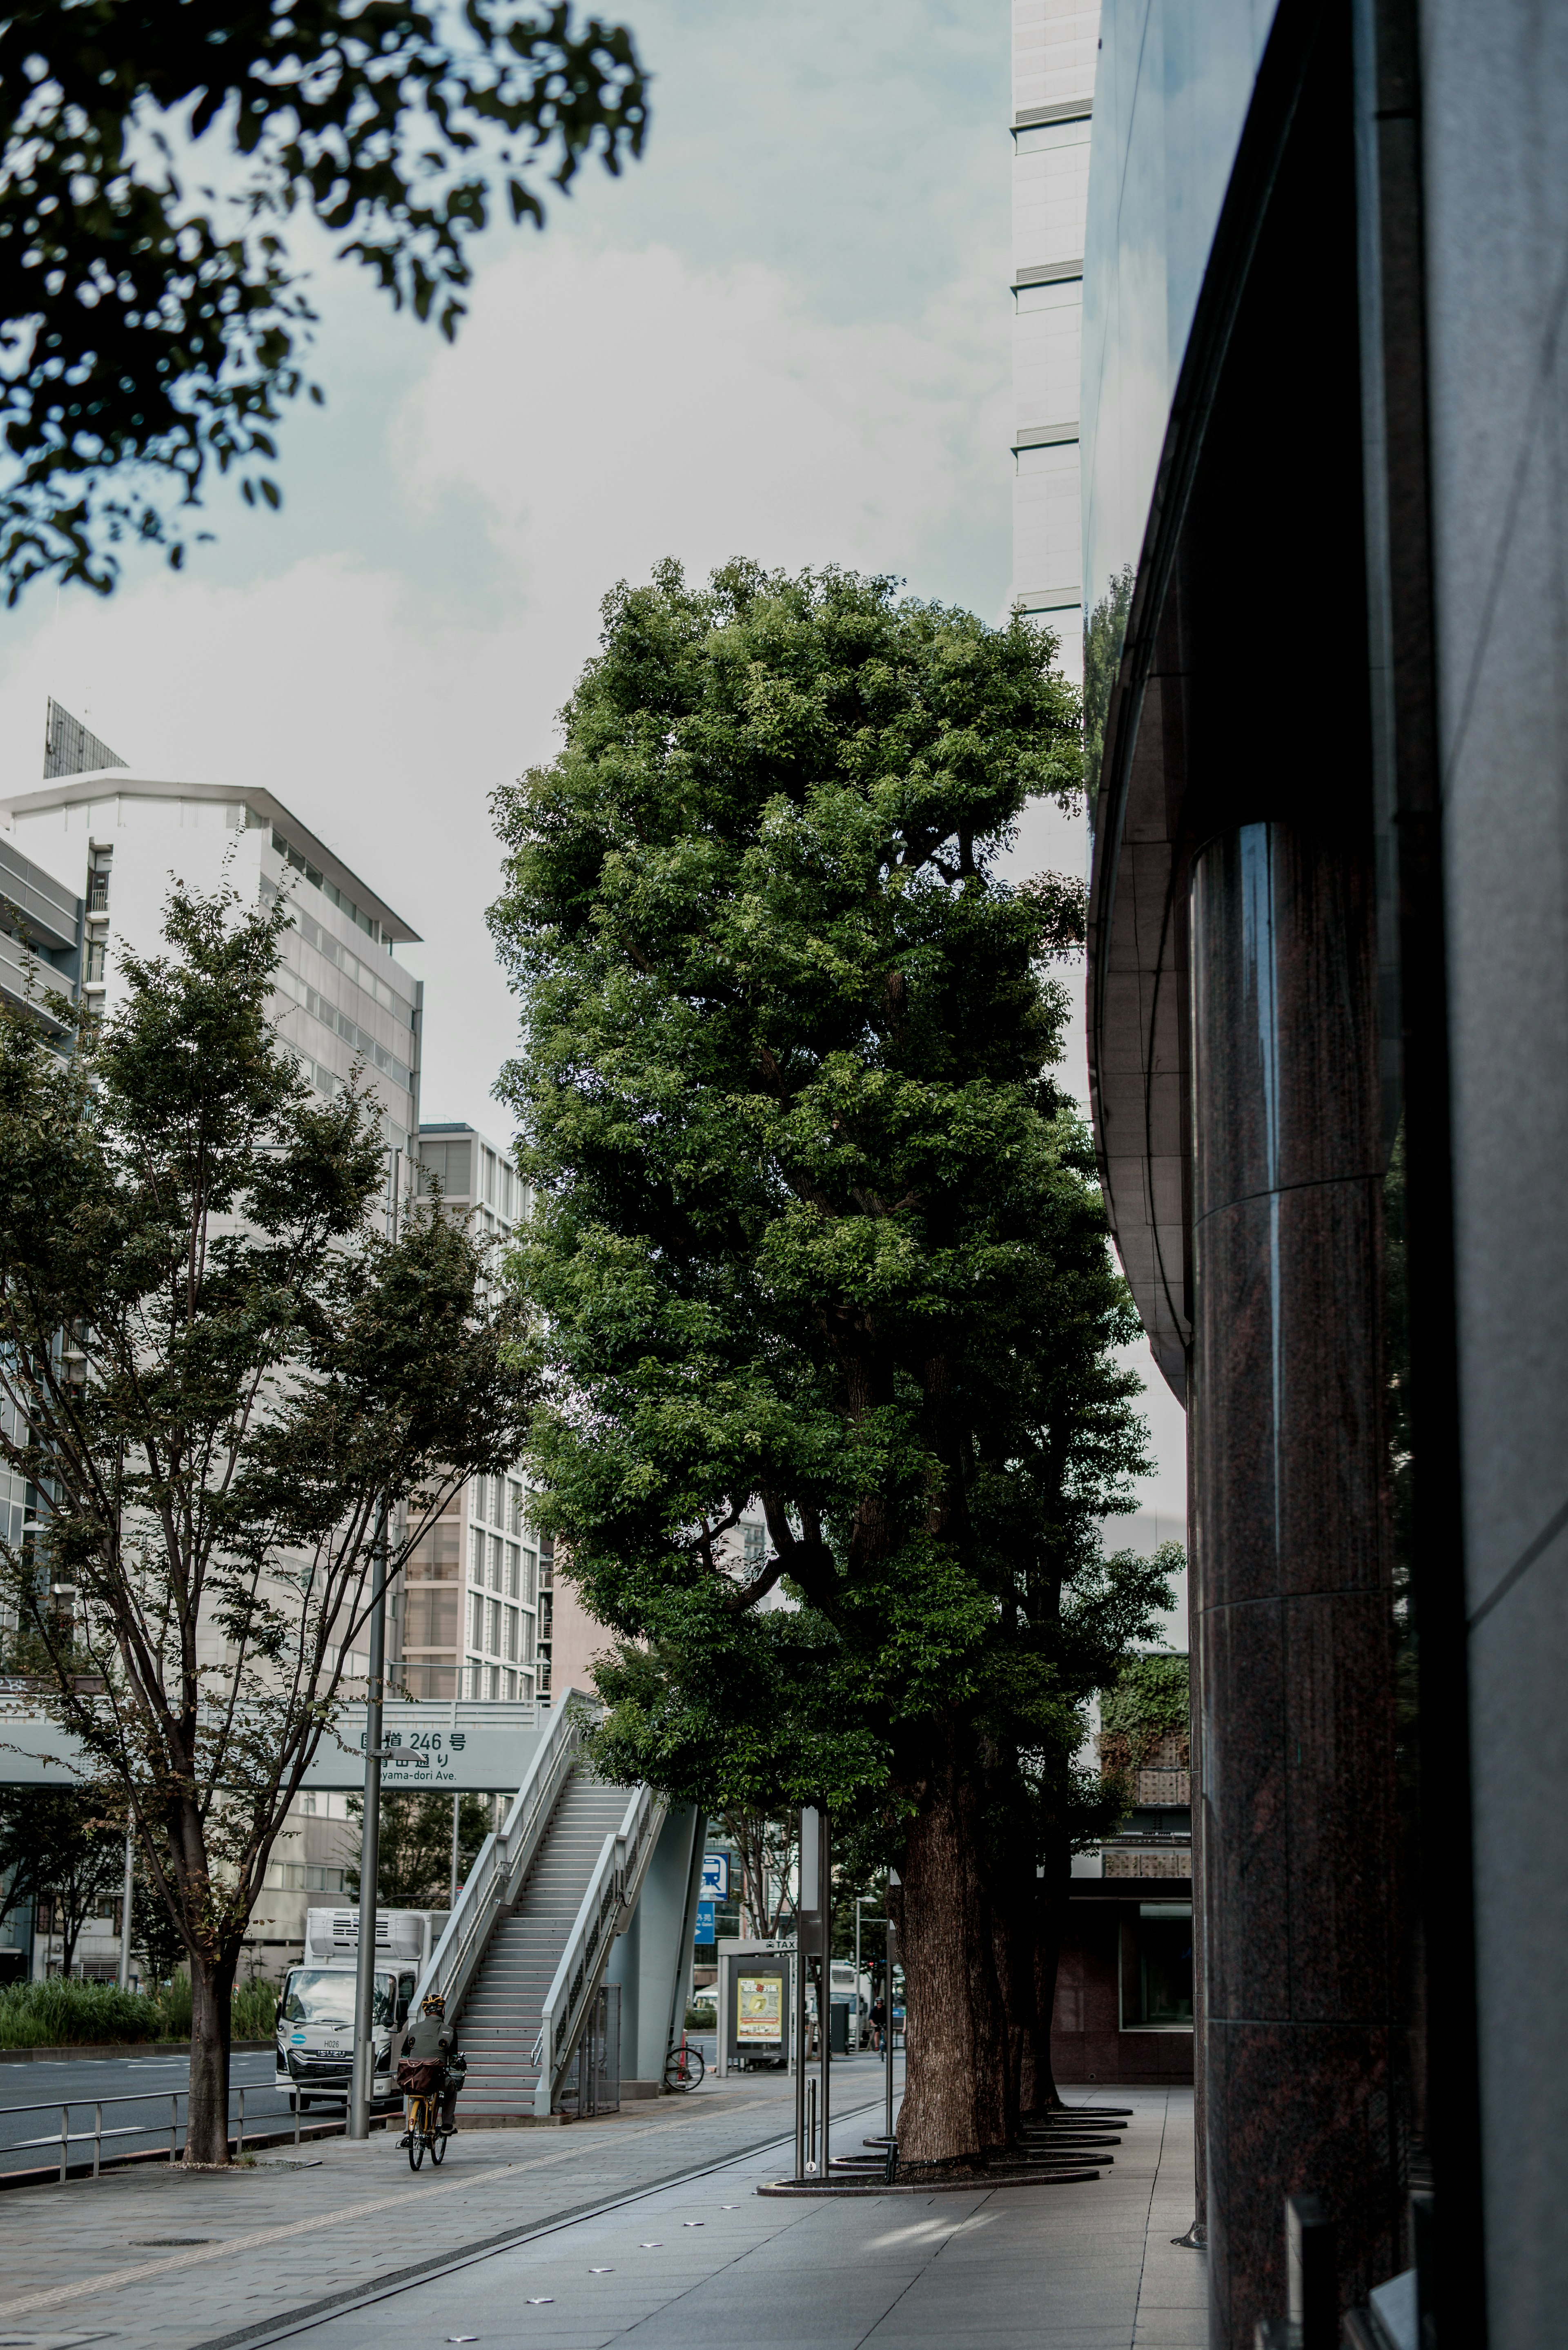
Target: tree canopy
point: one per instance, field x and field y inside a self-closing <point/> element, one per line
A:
<point x="154" y="316"/>
<point x="819" y="1235"/>
<point x="263" y="1395"/>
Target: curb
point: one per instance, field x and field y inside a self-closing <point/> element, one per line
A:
<point x="830" y="2188"/>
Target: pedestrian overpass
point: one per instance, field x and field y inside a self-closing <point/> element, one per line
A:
<point x="582" y="1886"/>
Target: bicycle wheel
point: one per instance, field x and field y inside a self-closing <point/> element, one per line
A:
<point x="416" y="2134"/>
<point x="437" y="2149"/>
<point x="695" y="2068"/>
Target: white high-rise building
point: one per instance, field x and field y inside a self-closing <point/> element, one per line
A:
<point x="114" y="839"/>
<point x="475" y="1606"/>
<point x="1054" y="50"/>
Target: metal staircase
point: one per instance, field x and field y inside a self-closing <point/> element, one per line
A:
<point x="505" y="2002"/>
<point x="526" y="1948"/>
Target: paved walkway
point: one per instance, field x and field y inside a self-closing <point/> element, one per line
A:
<point x="644" y="2228"/>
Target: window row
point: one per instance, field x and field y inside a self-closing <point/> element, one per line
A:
<point x="475" y="1680"/>
<point x="498" y="1502"/>
<point x="301" y="1877"/>
<point x="500" y="1632"/>
<point x="503" y="1566"/>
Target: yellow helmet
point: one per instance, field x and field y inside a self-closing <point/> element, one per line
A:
<point x="434" y="2003"/>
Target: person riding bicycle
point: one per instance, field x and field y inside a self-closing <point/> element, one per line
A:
<point x="428" y="2063"/>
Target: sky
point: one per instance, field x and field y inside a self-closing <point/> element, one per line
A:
<point x="782" y="334"/>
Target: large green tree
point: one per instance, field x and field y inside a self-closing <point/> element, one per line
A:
<point x="153" y="317"/>
<point x="818" y="1232"/>
<point x="262" y="1398"/>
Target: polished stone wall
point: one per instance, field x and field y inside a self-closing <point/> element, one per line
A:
<point x="1294" y="1630"/>
<point x="1496" y="165"/>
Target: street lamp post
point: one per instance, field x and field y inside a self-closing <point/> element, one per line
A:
<point x="362" y="2087"/>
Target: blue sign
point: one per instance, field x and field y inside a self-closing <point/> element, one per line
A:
<point x="704" y="1921"/>
<point x="715" y="1877"/>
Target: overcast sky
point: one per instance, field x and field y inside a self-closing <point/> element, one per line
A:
<point x="783" y="333"/>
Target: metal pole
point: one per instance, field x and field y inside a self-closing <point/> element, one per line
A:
<point x="800" y="2010"/>
<point x="854" y="2003"/>
<point x="363" y="2083"/>
<point x="824" y="1996"/>
<point x="125" y="1912"/>
<point x="456" y="1803"/>
<point x="893" y="1880"/>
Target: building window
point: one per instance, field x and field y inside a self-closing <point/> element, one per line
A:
<point x="514" y="1506"/>
<point x="476" y="1622"/>
<point x="512" y="1635"/>
<point x="756" y="1544"/>
<point x="511" y="1685"/>
<point x="494" y="1681"/>
<point x="493" y="1644"/>
<point x="497" y="1561"/>
<point x="476" y="1557"/>
<point x="1156" y="1965"/>
<point x="437" y="1554"/>
<point x="431" y="1680"/>
<point x="527" y="1639"/>
<point x="513" y="1572"/>
<point x="429" y="1617"/>
<point x="96" y="951"/>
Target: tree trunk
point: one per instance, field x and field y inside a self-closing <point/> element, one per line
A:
<point x="955" y="2038"/>
<point x="212" y="1989"/>
<point x="1012" y="1927"/>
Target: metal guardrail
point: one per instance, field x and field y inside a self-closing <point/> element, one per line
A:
<point x="65" y="2138"/>
<point x="610" y="1896"/>
<point x="506" y="1855"/>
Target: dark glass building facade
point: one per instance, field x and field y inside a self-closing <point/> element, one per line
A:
<point x="1324" y="426"/>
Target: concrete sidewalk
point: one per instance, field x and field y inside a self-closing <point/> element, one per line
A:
<point x="323" y="2254"/>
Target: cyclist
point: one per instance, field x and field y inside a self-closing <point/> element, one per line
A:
<point x="426" y="2060"/>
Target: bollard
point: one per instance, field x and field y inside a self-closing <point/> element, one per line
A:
<point x="1312" y="2283"/>
<point x="811" y="2129"/>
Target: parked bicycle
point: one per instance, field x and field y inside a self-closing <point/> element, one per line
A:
<point x="684" y="2067"/>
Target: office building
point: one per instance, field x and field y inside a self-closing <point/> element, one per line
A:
<point x="113" y="838"/>
<point x="475" y="1607"/>
<point x="1052" y="105"/>
<point x="1328" y="1030"/>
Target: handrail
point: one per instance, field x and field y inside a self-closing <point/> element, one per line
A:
<point x="506" y="1855"/>
<point x="65" y="2138"/>
<point x="610" y="1896"/>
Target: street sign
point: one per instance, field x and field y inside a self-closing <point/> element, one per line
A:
<point x="704" y="1922"/>
<point x="715" y="1877"/>
<point x="470" y="1746"/>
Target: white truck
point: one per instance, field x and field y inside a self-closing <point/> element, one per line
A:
<point x="315" y="2049"/>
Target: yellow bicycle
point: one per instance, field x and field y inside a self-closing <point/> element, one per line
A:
<point x="425" y="2130"/>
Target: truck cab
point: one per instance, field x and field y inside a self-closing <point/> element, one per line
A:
<point x="315" y="2044"/>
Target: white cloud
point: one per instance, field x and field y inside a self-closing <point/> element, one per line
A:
<point x="604" y="409"/>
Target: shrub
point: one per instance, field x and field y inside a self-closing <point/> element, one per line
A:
<point x="254" y="2011"/>
<point x="65" y="2011"/>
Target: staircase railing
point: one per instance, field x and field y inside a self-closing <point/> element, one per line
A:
<point x="606" y="1908"/>
<point x="507" y="1853"/>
